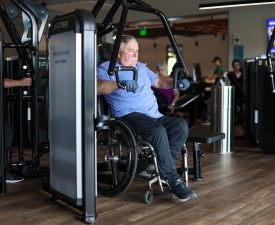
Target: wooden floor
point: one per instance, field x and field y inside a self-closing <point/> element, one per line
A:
<point x="237" y="188"/>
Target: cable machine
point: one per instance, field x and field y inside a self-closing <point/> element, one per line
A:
<point x="72" y="115"/>
<point x="34" y="18"/>
<point x="73" y="108"/>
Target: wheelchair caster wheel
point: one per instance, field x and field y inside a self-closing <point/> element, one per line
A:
<point x="148" y="197"/>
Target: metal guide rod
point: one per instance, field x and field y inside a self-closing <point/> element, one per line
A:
<point x="2" y="123"/>
<point x="269" y="62"/>
<point x="135" y="5"/>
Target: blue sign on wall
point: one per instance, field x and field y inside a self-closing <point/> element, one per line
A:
<point x="238" y="52"/>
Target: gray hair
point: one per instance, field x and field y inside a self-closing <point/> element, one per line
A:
<point x="162" y="64"/>
<point x="125" y="40"/>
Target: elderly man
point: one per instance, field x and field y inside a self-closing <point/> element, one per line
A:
<point x="137" y="105"/>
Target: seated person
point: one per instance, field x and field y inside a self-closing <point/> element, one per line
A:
<point x="10" y="130"/>
<point x="137" y="105"/>
<point x="171" y="94"/>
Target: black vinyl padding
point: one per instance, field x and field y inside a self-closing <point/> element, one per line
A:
<point x="204" y="137"/>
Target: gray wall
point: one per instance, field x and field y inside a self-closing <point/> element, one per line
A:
<point x="250" y="23"/>
<point x="208" y="47"/>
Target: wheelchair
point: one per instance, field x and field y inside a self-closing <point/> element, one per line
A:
<point x="122" y="154"/>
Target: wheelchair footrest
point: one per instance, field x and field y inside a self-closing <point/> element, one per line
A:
<point x="145" y="175"/>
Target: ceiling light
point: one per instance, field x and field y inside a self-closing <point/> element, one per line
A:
<point x="219" y="5"/>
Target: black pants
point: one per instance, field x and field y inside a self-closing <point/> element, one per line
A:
<point x="167" y="135"/>
<point x="9" y="136"/>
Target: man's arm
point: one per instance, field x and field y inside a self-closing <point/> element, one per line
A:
<point x="219" y="71"/>
<point x="176" y="94"/>
<point x="163" y="82"/>
<point x="211" y="77"/>
<point x="106" y="86"/>
<point x="9" y="83"/>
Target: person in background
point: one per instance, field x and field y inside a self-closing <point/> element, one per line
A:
<point x="236" y="79"/>
<point x="10" y="130"/>
<point x="215" y="77"/>
<point x="171" y="94"/>
<point x="218" y="73"/>
<point x="136" y="103"/>
<point x="236" y="65"/>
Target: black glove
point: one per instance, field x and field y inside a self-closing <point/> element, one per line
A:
<point x="130" y="85"/>
<point x="183" y="84"/>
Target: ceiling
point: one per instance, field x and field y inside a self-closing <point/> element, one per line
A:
<point x="75" y="5"/>
<point x="189" y="26"/>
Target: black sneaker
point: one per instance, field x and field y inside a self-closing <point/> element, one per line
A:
<point x="181" y="192"/>
<point x="12" y="178"/>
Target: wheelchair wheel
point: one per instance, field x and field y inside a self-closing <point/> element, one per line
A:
<point x="116" y="158"/>
<point x="148" y="196"/>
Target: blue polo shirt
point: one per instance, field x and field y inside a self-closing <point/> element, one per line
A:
<point x="123" y="102"/>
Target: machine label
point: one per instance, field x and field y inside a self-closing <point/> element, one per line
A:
<point x="61" y="25"/>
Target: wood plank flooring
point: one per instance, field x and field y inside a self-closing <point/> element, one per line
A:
<point x="237" y="189"/>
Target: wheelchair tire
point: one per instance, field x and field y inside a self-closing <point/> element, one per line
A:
<point x="116" y="158"/>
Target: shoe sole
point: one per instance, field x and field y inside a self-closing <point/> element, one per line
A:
<point x="193" y="196"/>
<point x="13" y="181"/>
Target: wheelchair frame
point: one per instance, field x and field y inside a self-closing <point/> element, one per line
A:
<point x="115" y="170"/>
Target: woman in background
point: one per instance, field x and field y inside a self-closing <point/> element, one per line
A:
<point x="171" y="94"/>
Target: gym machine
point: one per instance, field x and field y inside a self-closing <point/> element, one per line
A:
<point x="34" y="18"/>
<point x="72" y="48"/>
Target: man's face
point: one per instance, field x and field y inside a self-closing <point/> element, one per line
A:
<point x="128" y="56"/>
<point x="236" y="66"/>
<point x="217" y="63"/>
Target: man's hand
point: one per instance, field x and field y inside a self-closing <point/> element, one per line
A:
<point x="130" y="85"/>
<point x="183" y="84"/>
<point x="25" y="82"/>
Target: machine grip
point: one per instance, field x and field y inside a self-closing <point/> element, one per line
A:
<point x="125" y="68"/>
<point x="129" y="68"/>
<point x="177" y="77"/>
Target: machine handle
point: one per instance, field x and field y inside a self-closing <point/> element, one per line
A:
<point x="177" y="77"/>
<point x="125" y="68"/>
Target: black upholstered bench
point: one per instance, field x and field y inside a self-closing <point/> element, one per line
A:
<point x="200" y="137"/>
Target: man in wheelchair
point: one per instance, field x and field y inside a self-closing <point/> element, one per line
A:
<point x="137" y="105"/>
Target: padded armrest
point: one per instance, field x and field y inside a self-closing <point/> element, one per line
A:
<point x="204" y="136"/>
